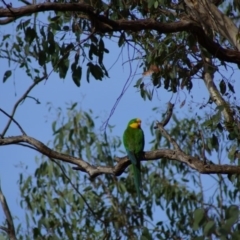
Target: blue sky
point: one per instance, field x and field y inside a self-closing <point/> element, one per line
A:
<point x="99" y="96"/>
<point x="36" y="120"/>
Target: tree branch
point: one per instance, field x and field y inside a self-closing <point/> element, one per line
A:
<point x="203" y="147"/>
<point x="13" y="121"/>
<point x="93" y="171"/>
<point x="208" y="14"/>
<point x="215" y="94"/>
<point x="169" y="114"/>
<point x="18" y="102"/>
<point x="4" y="229"/>
<point x="10" y="226"/>
<point x="78" y="192"/>
<point x="104" y="24"/>
<point x="169" y="138"/>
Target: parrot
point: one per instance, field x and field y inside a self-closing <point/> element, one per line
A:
<point x="133" y="141"/>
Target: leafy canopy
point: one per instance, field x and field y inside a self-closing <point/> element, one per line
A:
<point x="173" y="43"/>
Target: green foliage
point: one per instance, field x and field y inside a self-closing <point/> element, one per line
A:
<point x="6" y="75"/>
<point x="74" y="206"/>
<point x="99" y="205"/>
<point x="207" y="220"/>
<point x="43" y="44"/>
<point x="62" y="203"/>
<point x="176" y="58"/>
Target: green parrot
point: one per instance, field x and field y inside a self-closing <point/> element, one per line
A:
<point x="133" y="140"/>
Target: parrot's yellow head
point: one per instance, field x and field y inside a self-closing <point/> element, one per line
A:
<point x="135" y="123"/>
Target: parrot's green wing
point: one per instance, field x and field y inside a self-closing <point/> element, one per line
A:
<point x="133" y="139"/>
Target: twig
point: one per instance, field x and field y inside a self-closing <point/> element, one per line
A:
<point x="160" y="126"/>
<point x="26" y="2"/>
<point x="203" y="148"/>
<point x="12" y="119"/>
<point x="78" y="44"/>
<point x="73" y="186"/>
<point x="201" y="190"/>
<point x="124" y="89"/>
<point x="35" y="99"/>
<point x="19" y="101"/>
<point x="4" y="229"/>
<point x="8" y="6"/>
<point x="26" y="145"/>
<point x="10" y="229"/>
<point x="169" y="115"/>
<point x="169" y="138"/>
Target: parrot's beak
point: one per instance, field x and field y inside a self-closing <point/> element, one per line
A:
<point x="139" y="123"/>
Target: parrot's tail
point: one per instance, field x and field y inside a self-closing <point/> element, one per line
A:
<point x="136" y="173"/>
<point x="137" y="179"/>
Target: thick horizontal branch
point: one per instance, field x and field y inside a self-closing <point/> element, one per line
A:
<point x="122" y="163"/>
<point x="104" y="24"/>
<point x="42" y="148"/>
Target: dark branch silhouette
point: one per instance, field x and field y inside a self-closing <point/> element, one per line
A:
<point x="10" y="226"/>
<point x="18" y="102"/>
<point x="123" y="162"/>
<point x="78" y="192"/>
<point x="12" y="119"/>
<point x="103" y="24"/>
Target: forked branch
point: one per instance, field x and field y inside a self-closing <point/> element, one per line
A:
<point x="17" y="104"/>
